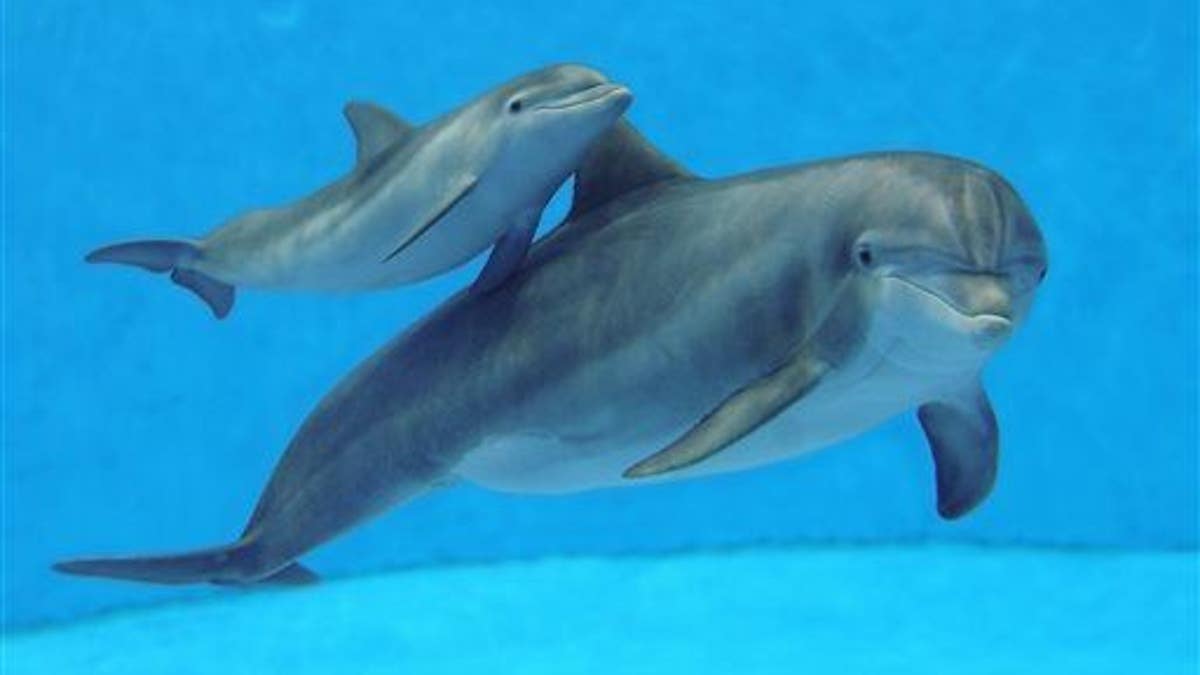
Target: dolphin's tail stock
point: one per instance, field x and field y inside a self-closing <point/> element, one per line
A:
<point x="170" y="255"/>
<point x="232" y="565"/>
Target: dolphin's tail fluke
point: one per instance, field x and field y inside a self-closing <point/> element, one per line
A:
<point x="231" y="565"/>
<point x="170" y="255"/>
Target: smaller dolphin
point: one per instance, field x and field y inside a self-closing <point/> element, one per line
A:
<point x="419" y="201"/>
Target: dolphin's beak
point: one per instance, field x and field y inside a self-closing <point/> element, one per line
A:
<point x="989" y="331"/>
<point x="981" y="302"/>
<point x="600" y="92"/>
<point x="970" y="294"/>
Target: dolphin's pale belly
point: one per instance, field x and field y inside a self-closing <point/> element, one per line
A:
<point x="549" y="460"/>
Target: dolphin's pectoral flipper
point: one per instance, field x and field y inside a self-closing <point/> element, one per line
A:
<point x="507" y="254"/>
<point x="174" y="256"/>
<point x="965" y="440"/>
<point x="375" y="128"/>
<point x="458" y="191"/>
<point x="736" y="416"/>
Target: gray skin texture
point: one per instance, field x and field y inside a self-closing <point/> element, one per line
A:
<point x="661" y="297"/>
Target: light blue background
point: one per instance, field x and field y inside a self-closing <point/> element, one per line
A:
<point x="134" y="422"/>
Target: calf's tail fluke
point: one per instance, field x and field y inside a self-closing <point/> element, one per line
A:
<point x="174" y="256"/>
<point x="232" y="565"/>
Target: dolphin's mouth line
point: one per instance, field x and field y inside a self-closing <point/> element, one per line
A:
<point x="583" y="97"/>
<point x="950" y="304"/>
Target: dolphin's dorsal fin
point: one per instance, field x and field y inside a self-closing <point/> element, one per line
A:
<point x="374" y="127"/>
<point x="620" y="161"/>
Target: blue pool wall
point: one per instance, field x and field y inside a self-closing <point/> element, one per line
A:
<point x="134" y="422"/>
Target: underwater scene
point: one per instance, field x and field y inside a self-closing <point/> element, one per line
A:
<point x="567" y="337"/>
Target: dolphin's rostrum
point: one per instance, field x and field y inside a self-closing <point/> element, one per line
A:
<point x="419" y="201"/>
<point x="672" y="327"/>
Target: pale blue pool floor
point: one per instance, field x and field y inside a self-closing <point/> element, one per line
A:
<point x="806" y="609"/>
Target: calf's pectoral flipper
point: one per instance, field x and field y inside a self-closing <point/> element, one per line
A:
<point x="965" y="440"/>
<point x="455" y="192"/>
<point x="507" y="254"/>
<point x="736" y="416"/>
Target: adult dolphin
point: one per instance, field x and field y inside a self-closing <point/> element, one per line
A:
<point x="672" y="327"/>
<point x="419" y="201"/>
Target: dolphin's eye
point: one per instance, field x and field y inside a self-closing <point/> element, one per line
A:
<point x="865" y="257"/>
<point x="1042" y="274"/>
<point x="515" y="105"/>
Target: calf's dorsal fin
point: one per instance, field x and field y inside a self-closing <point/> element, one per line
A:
<point x="374" y="127"/>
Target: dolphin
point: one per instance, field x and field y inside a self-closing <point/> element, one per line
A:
<point x="672" y="327"/>
<point x="419" y="200"/>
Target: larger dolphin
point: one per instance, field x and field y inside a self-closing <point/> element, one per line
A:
<point x="672" y="327"/>
<point x="419" y="201"/>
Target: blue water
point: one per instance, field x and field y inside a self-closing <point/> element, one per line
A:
<point x="134" y="422"/>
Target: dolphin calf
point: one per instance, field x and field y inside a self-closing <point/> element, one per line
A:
<point x="419" y="200"/>
<point x="672" y="327"/>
